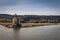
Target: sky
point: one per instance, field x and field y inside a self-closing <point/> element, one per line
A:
<point x="30" y="7"/>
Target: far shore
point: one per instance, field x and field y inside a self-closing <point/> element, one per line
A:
<point x="28" y="24"/>
<point x="37" y="24"/>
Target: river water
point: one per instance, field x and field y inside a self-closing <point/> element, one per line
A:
<point x="51" y="32"/>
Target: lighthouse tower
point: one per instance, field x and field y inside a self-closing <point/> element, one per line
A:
<point x="16" y="21"/>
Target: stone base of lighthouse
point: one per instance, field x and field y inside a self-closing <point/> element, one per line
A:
<point x="17" y="25"/>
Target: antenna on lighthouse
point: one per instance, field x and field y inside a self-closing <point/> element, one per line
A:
<point x="15" y="15"/>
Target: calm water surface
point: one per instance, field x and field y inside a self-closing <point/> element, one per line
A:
<point x="51" y="32"/>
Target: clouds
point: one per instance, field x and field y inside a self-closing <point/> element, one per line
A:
<point x="15" y="2"/>
<point x="37" y="7"/>
<point x="8" y="2"/>
<point x="50" y="3"/>
<point x="31" y="11"/>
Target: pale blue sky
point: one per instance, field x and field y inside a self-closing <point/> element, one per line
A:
<point x="30" y="7"/>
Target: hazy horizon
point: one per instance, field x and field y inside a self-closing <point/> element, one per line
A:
<point x="30" y="7"/>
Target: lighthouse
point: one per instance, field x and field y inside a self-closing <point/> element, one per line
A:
<point x="16" y="22"/>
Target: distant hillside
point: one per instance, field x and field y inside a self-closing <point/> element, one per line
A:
<point x="29" y="16"/>
<point x="5" y="16"/>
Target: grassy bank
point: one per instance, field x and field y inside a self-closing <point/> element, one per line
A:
<point x="35" y="24"/>
<point x="28" y="24"/>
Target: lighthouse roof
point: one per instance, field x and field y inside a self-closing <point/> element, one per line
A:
<point x="15" y="15"/>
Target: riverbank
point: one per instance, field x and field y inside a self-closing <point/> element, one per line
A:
<point x="28" y="24"/>
<point x="36" y="24"/>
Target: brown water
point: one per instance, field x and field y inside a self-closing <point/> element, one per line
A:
<point x="33" y="33"/>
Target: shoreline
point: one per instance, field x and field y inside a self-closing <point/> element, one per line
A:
<point x="37" y="24"/>
<point x="24" y="25"/>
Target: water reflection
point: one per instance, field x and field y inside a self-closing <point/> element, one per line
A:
<point x="16" y="34"/>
